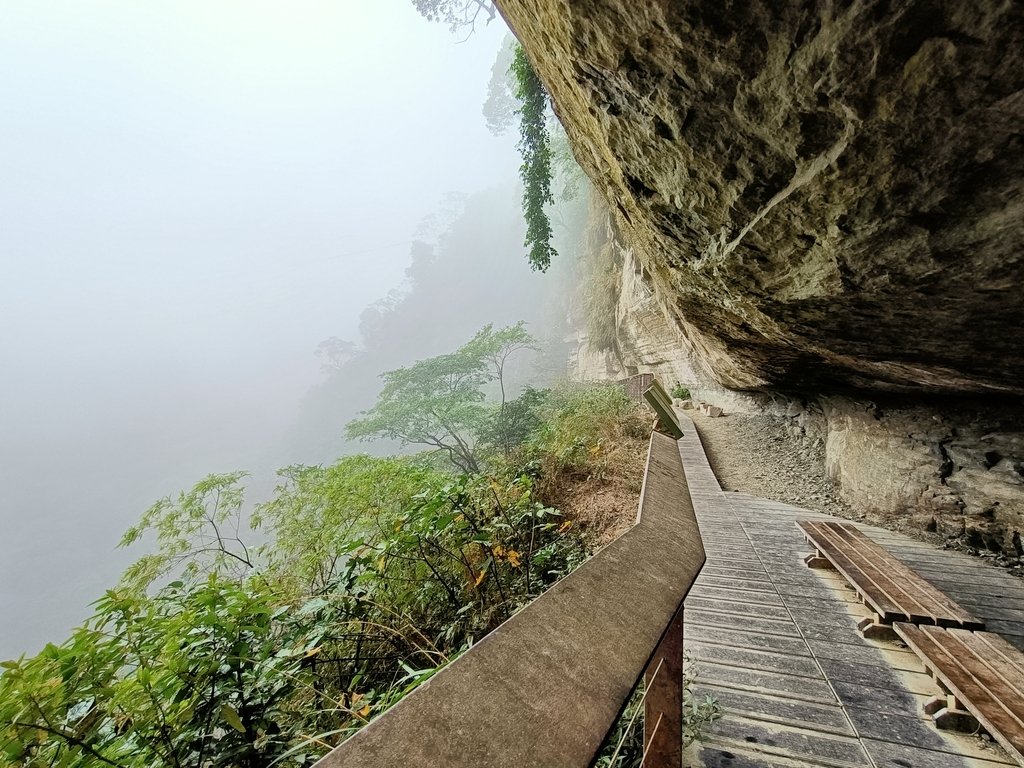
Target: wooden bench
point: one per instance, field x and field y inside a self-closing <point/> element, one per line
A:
<point x="659" y="400"/>
<point x="885" y="584"/>
<point x="982" y="677"/>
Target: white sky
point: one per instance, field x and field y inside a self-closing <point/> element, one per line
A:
<point x="192" y="196"/>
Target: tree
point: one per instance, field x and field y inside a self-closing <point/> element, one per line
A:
<point x="499" y="108"/>
<point x="197" y="532"/>
<point x="335" y="353"/>
<point x="457" y="14"/>
<point x="440" y="402"/>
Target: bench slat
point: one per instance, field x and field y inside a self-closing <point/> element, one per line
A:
<point x="936" y="606"/>
<point x="958" y="660"/>
<point x="894" y="591"/>
<point x="922" y="602"/>
<point x="1005" y="665"/>
<point x="881" y="597"/>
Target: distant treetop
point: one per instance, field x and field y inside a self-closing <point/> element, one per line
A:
<point x="457" y="14"/>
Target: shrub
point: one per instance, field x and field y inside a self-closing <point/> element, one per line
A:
<point x="680" y="392"/>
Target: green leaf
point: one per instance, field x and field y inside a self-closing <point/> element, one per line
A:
<point x="231" y="717"/>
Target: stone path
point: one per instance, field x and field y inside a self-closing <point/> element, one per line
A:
<point x="777" y="644"/>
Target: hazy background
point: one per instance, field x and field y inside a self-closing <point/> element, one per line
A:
<point x="193" y="195"/>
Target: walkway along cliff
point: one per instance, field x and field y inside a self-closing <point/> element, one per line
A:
<point x="824" y="204"/>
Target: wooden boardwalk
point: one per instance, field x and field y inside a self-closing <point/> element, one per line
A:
<point x="777" y="644"/>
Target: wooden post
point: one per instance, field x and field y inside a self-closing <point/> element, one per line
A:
<point x="663" y="704"/>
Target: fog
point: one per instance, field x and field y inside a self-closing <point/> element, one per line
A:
<point x="194" y="196"/>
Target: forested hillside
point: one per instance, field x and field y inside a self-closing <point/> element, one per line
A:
<point x="467" y="270"/>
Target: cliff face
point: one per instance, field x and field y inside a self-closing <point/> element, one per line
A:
<point x="822" y="202"/>
<point x="647" y="337"/>
<point x="830" y="195"/>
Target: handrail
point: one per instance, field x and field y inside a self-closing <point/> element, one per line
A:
<point x="545" y="687"/>
<point x="658" y="399"/>
<point x="634" y="386"/>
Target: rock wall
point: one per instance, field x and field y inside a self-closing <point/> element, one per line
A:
<point x="954" y="466"/>
<point x="648" y="340"/>
<point x="822" y="204"/>
<point x="831" y="194"/>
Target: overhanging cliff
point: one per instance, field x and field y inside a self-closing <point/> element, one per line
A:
<point x="825" y="201"/>
<point x="829" y="198"/>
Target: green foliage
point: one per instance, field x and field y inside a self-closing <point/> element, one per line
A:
<point x="512" y="424"/>
<point x="319" y="515"/>
<point x="203" y="673"/>
<point x="578" y="422"/>
<point x="198" y="532"/>
<point x="375" y="574"/>
<point x="503" y="104"/>
<point x="440" y="402"/>
<point x="535" y="171"/>
<point x="378" y="572"/>
<point x="680" y="392"/>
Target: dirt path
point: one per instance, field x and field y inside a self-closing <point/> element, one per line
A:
<point x="758" y="455"/>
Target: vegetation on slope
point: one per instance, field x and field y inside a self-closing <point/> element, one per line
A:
<point x="374" y="574"/>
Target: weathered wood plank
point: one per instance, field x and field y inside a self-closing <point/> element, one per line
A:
<point x="544" y="688"/>
<point x="881" y="597"/>
<point x="892" y="589"/>
<point x="659" y="400"/>
<point x="935" y="606"/>
<point x="982" y="671"/>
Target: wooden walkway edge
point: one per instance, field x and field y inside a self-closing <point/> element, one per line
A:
<point x="777" y="643"/>
<point x="544" y="688"/>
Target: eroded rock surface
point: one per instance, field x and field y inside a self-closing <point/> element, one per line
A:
<point x="821" y="203"/>
<point x="826" y="196"/>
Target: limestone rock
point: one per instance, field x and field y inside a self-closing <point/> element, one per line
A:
<point x="956" y="470"/>
<point x="823" y="196"/>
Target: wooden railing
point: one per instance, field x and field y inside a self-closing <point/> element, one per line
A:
<point x="545" y="687"/>
<point x="661" y="403"/>
<point x="634" y="386"/>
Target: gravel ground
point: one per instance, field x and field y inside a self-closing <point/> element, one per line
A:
<point x="759" y="456"/>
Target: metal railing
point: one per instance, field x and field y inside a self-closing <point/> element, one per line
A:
<point x="545" y="687"/>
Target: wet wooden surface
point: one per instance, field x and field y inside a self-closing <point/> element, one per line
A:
<point x="777" y="643"/>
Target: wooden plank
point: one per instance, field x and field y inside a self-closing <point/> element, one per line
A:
<point x="663" y="701"/>
<point x="888" y="579"/>
<point x="666" y="416"/>
<point x="892" y="589"/>
<point x="921" y="602"/>
<point x="977" y="686"/>
<point x="543" y="689"/>
<point x="1004" y="666"/>
<point x="938" y="608"/>
<point x="876" y="596"/>
<point x="1001" y="650"/>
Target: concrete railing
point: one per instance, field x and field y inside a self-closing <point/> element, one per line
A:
<point x="545" y="687"/>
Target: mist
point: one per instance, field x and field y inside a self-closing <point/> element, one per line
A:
<point x="195" y="196"/>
